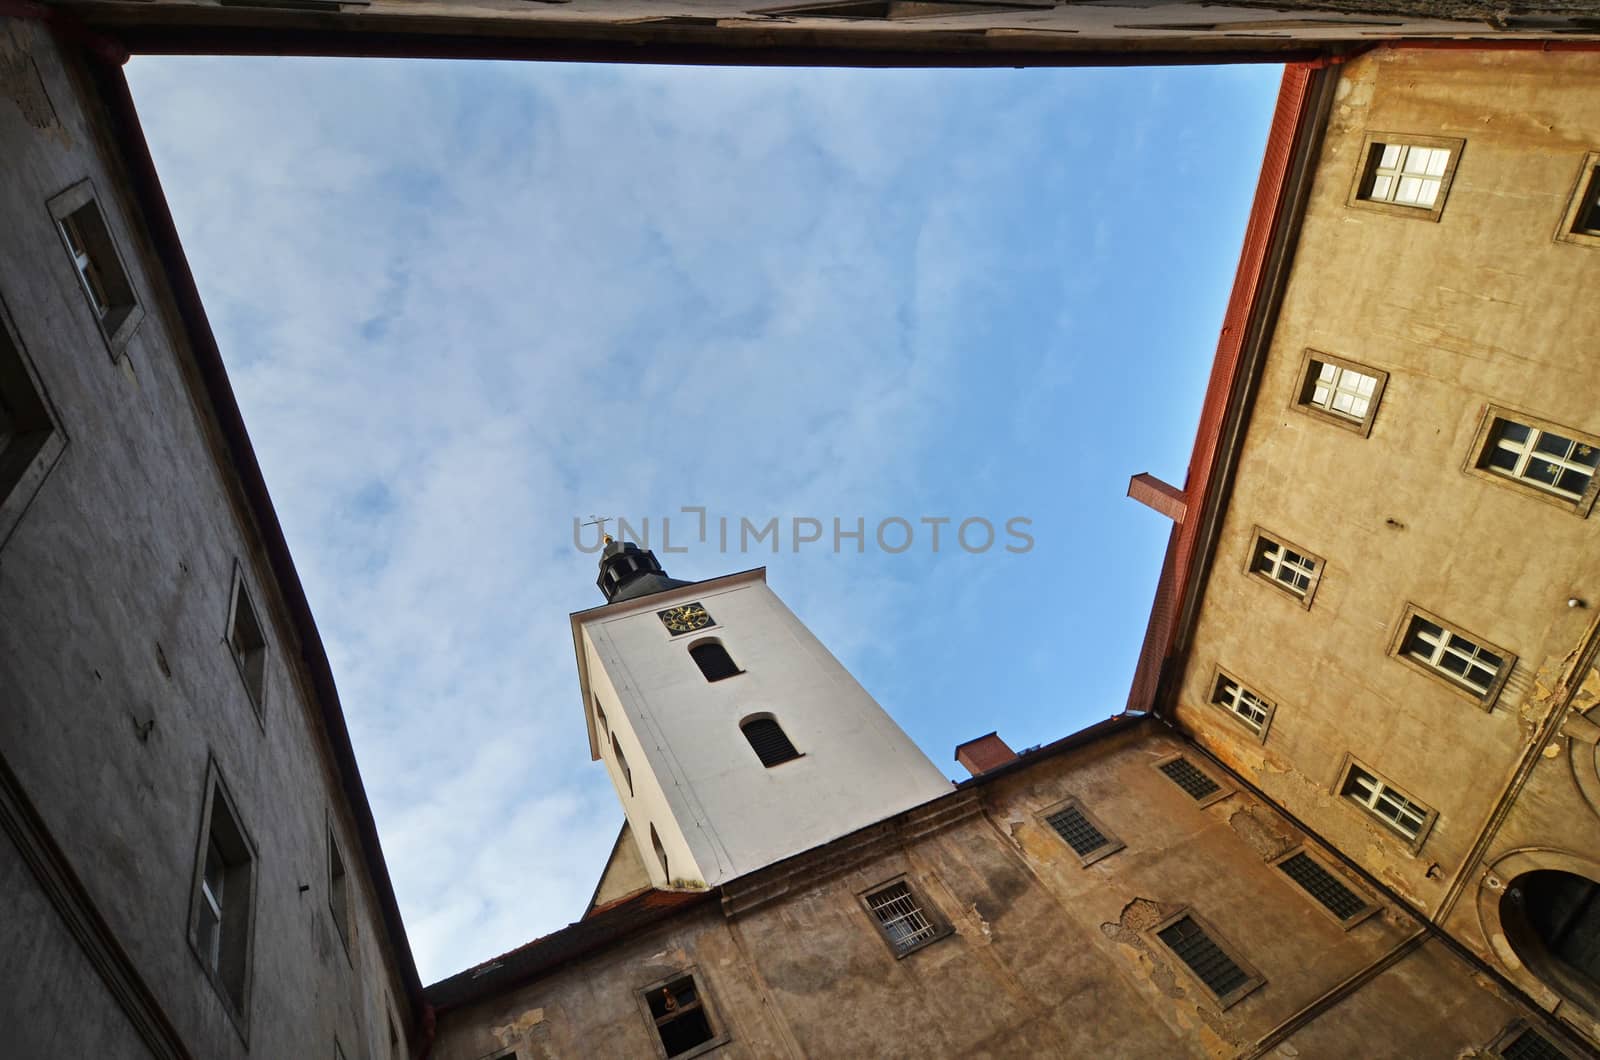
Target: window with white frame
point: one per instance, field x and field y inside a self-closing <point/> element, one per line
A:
<point x="1285" y="566"/>
<point x="901" y="918"/>
<point x="1462" y="660"/>
<point x="1406" y="174"/>
<point x="1339" y="391"/>
<point x="248" y="642"/>
<point x="1545" y="459"/>
<point x="220" y="914"/>
<point x="1250" y="707"/>
<point x="1387" y="803"/>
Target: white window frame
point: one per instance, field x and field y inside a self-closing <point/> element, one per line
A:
<point x="1383" y="801"/>
<point x="1452" y="642"/>
<point x="1268" y="560"/>
<point x="1231" y="702"/>
<point x="1490" y="440"/>
<point x="1313" y="366"/>
<point x="1384" y="157"/>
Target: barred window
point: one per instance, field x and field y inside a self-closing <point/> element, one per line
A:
<point x="1086" y="836"/>
<point x="1529" y="1044"/>
<point x="1218" y="970"/>
<point x="1387" y="803"/>
<point x="901" y="918"/>
<point x="1248" y="706"/>
<point x="1324" y="886"/>
<point x="1183" y="773"/>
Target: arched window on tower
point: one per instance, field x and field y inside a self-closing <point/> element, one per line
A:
<point x="661" y="853"/>
<point x="622" y="763"/>
<point x="767" y="738"/>
<point x="1552" y="920"/>
<point x="713" y="659"/>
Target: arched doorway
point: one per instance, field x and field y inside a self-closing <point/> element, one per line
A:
<point x="1552" y="920"/>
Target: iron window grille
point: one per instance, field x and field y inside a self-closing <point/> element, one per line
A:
<point x="1221" y="973"/>
<point x="1247" y="706"/>
<point x="1187" y="776"/>
<point x="1522" y="1042"/>
<point x="1463" y="661"/>
<point x="1392" y="807"/>
<point x="681" y="1016"/>
<point x="903" y="921"/>
<point x="1342" y="903"/>
<point x="1087" y="837"/>
<point x="770" y="743"/>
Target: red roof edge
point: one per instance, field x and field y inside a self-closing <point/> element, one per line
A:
<point x="1179" y="565"/>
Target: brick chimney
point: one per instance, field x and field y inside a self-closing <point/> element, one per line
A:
<point x="984" y="753"/>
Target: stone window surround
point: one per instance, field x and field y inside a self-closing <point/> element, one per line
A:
<point x="1224" y="788"/>
<point x="1584" y="191"/>
<point x="1226" y="1001"/>
<point x="215" y="791"/>
<point x="1258" y="534"/>
<point x="719" y="1032"/>
<point x="1412" y="845"/>
<point x="1218" y="674"/>
<point x="238" y="590"/>
<point x="1364" y="165"/>
<point x="22" y="476"/>
<point x="941" y="924"/>
<point x="1482" y="439"/>
<point x="117" y="332"/>
<point x="1302" y="382"/>
<point x="1072" y="802"/>
<point x="1484" y="700"/>
<point x="1344" y="878"/>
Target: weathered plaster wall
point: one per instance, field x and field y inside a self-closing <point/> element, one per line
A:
<point x="1483" y="306"/>
<point x="1048" y="957"/>
<point x="116" y="686"/>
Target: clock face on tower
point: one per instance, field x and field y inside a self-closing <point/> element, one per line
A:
<point x="685" y="619"/>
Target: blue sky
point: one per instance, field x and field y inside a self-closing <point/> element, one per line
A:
<point x="464" y="303"/>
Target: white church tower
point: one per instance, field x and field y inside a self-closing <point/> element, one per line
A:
<point x="734" y="738"/>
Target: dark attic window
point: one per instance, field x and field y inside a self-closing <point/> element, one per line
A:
<point x="680" y="1016"/>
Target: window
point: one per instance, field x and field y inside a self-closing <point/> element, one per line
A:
<point x="1340" y="392"/>
<point x="1085" y="835"/>
<point x="1392" y="807"/>
<point x="394" y="1039"/>
<point x="1405" y="174"/>
<point x="1339" y="901"/>
<point x="247" y="642"/>
<point x="1552" y="919"/>
<point x="1549" y="461"/>
<point x="600" y="717"/>
<point x="30" y="440"/>
<point x="1581" y="222"/>
<point x="661" y="854"/>
<point x="1187" y="776"/>
<point x="622" y="763"/>
<point x="1463" y="661"/>
<point x="1224" y="975"/>
<point x="713" y="660"/>
<point x="1521" y="1042"/>
<point x="899" y="9"/>
<point x="684" y="1023"/>
<point x="901" y="918"/>
<point x="93" y="256"/>
<point x="1245" y="705"/>
<point x="1285" y="566"/>
<point x="768" y="740"/>
<point x="220" y="916"/>
<point x="338" y="891"/>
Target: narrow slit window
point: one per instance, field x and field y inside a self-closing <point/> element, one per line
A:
<point x="1183" y="773"/>
<point x="224" y="883"/>
<point x="770" y="743"/>
<point x="680" y="1015"/>
<point x="1211" y="964"/>
<point x="1529" y="1044"/>
<point x="248" y="643"/>
<point x="622" y="763"/>
<point x="600" y="718"/>
<point x="1324" y="886"/>
<point x="661" y="854"/>
<point x="713" y="659"/>
<point x="338" y="891"/>
<point x="901" y="918"/>
<point x="1392" y="807"/>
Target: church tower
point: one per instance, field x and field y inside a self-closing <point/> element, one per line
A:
<point x="734" y="738"/>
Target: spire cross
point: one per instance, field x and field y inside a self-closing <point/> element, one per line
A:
<point x="595" y="520"/>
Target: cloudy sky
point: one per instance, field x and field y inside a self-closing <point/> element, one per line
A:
<point x="463" y="304"/>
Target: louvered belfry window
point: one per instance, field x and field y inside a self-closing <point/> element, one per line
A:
<point x="769" y="741"/>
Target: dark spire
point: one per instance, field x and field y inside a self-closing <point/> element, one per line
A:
<point x="628" y="572"/>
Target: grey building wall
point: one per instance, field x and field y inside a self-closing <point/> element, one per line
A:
<point x="117" y="690"/>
